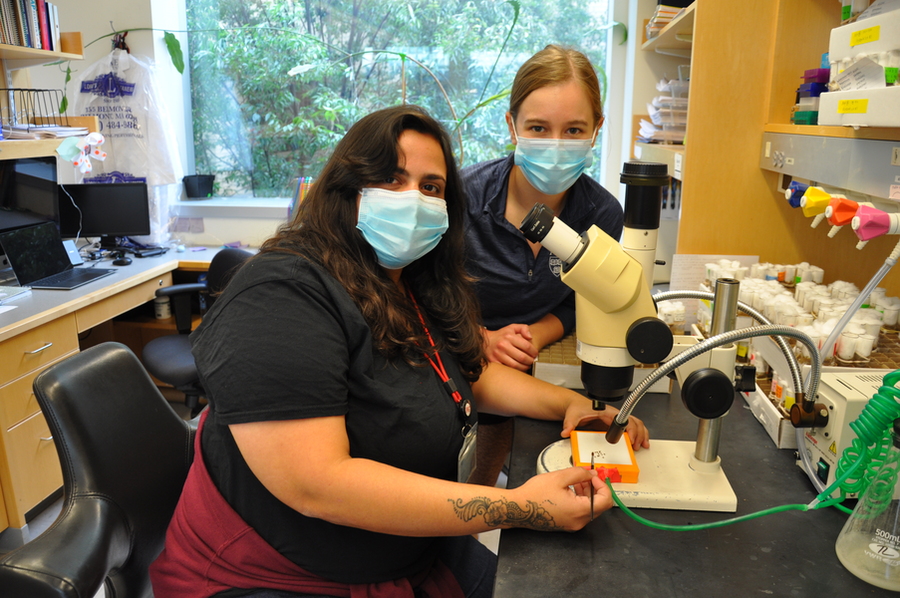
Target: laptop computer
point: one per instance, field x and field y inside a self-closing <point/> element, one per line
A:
<point x="40" y="261"/>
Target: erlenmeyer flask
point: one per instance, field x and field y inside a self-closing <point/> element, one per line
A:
<point x="869" y="544"/>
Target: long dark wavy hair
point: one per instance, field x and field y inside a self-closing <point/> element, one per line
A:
<point x="324" y="231"/>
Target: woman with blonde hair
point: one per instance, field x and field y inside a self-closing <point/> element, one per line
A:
<point x="554" y="119"/>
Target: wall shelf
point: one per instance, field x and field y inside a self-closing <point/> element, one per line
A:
<point x="20" y="57"/>
<point x="676" y="38"/>
<point x="877" y="133"/>
<point x="13" y="58"/>
<point x="670" y="155"/>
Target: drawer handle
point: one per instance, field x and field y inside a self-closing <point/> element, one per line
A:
<point x="36" y="351"/>
<point x="47" y="438"/>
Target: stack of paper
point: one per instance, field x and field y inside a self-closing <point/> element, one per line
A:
<point x="650" y="133"/>
<point x="661" y="17"/>
<point x="668" y="114"/>
<point x="42" y="131"/>
<point x="8" y="292"/>
<point x="665" y="111"/>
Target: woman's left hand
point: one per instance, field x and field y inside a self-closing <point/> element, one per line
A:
<point x="580" y="414"/>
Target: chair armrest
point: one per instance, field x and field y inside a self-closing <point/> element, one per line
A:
<point x="73" y="557"/>
<point x="178" y="289"/>
<point x="180" y="295"/>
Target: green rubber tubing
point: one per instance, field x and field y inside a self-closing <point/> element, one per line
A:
<point x="871" y="446"/>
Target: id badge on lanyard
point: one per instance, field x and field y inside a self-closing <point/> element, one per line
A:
<point x="466" y="458"/>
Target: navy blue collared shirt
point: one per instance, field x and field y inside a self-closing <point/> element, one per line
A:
<point x="513" y="285"/>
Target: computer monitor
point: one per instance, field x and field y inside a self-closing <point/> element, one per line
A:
<point x="28" y="192"/>
<point x="107" y="210"/>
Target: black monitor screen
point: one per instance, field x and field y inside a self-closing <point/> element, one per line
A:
<point x="107" y="210"/>
<point x="27" y="192"/>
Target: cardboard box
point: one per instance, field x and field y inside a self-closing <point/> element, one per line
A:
<point x="869" y="36"/>
<point x="780" y="430"/>
<point x="861" y="108"/>
<point x="869" y="107"/>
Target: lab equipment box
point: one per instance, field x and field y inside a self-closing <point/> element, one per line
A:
<point x="876" y="38"/>
<point x="780" y="430"/>
<point x="861" y="108"/>
<point x="871" y="36"/>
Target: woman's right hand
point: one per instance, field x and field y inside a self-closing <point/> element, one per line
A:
<point x="560" y="500"/>
<point x="511" y="345"/>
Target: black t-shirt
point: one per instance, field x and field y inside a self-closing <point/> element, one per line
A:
<point x="285" y="341"/>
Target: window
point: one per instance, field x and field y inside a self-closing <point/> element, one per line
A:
<point x="275" y="83"/>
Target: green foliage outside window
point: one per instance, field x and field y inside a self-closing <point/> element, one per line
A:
<point x="275" y="83"/>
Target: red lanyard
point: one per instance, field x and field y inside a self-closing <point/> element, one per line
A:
<point x="464" y="406"/>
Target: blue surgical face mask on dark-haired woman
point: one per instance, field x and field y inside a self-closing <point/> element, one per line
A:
<point x="401" y="226"/>
<point x="553" y="165"/>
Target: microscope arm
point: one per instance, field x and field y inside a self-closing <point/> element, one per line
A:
<point x="718" y="340"/>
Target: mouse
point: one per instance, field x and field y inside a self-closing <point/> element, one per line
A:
<point x="121" y="261"/>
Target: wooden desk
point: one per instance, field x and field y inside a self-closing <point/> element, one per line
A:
<point x="42" y="330"/>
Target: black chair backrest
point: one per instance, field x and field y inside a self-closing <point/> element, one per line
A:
<point x="124" y="455"/>
<point x="183" y="296"/>
<point x="222" y="267"/>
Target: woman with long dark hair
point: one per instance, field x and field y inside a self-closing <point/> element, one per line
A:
<point x="344" y="367"/>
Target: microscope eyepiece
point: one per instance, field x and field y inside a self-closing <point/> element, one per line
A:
<point x="637" y="172"/>
<point x="643" y="193"/>
<point x="537" y="223"/>
<point x="541" y="226"/>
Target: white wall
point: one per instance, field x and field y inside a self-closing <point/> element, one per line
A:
<point x="646" y="69"/>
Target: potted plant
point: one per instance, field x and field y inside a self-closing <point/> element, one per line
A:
<point x="199" y="186"/>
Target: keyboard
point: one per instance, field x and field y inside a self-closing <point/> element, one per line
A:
<point x="70" y="279"/>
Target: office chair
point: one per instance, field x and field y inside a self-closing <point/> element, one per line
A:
<point x="169" y="358"/>
<point x="125" y="454"/>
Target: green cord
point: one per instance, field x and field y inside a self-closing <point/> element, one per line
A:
<point x="873" y="438"/>
<point x="873" y="432"/>
<point x="723" y="523"/>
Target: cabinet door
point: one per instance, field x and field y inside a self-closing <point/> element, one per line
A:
<point x="34" y="472"/>
<point x="29" y="465"/>
<point x="17" y="401"/>
<point x="37" y="348"/>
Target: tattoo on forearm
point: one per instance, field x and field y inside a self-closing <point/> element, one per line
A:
<point x="505" y="512"/>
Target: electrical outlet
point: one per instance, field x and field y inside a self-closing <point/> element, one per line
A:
<point x="895" y="157"/>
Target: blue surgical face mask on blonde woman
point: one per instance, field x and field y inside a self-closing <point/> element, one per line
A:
<point x="553" y="165"/>
<point x="401" y="226"/>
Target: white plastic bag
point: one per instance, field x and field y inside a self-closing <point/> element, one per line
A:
<point x="119" y="89"/>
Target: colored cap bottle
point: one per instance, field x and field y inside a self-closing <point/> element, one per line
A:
<point x="871" y="222"/>
<point x="814" y="201"/>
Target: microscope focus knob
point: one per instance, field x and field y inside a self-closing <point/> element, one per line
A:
<point x="649" y="340"/>
<point x="707" y="393"/>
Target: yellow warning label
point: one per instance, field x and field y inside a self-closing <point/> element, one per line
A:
<point x="864" y="36"/>
<point x="833" y="448"/>
<point x="853" y="106"/>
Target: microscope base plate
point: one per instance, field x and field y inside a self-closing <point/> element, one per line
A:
<point x="666" y="481"/>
